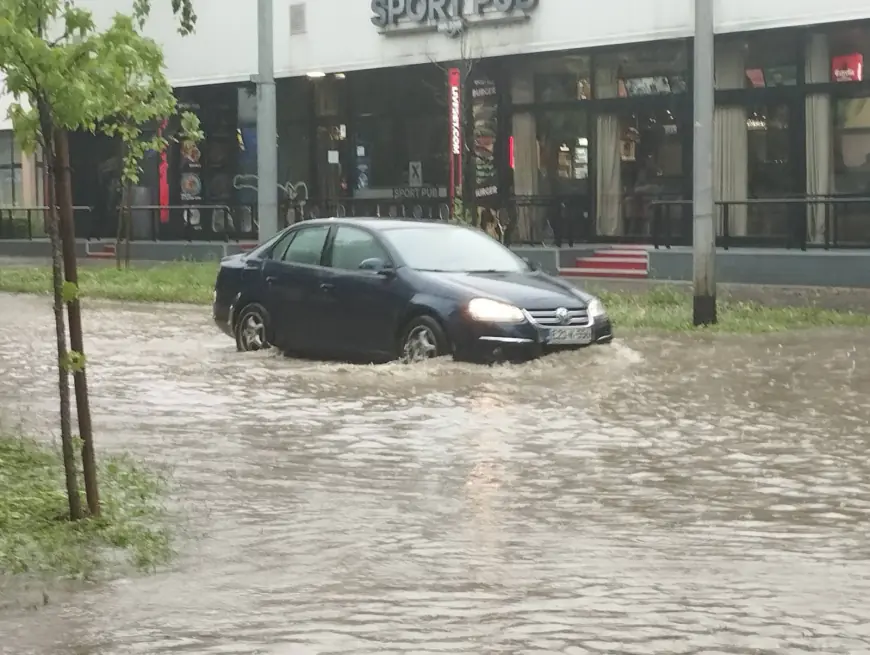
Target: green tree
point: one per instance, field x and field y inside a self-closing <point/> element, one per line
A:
<point x="67" y="75"/>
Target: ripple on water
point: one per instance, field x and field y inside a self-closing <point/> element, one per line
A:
<point x="661" y="495"/>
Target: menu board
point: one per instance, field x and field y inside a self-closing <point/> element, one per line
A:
<point x="484" y="111"/>
<point x="190" y="172"/>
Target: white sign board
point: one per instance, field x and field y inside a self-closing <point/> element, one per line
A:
<point x="415" y="173"/>
<point x="332" y="157"/>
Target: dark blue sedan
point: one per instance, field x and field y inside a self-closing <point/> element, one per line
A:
<point x="389" y="289"/>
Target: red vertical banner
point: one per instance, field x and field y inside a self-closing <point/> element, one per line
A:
<point x="454" y="97"/>
<point x="163" y="179"/>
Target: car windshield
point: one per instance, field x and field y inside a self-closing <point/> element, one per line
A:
<point x="453" y="250"/>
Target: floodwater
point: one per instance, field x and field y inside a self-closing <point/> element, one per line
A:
<point x="661" y="495"/>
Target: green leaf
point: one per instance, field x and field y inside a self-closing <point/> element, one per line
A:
<point x="70" y="291"/>
<point x="74" y="361"/>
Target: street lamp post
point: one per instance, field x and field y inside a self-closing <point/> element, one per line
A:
<point x="267" y="129"/>
<point x="704" y="221"/>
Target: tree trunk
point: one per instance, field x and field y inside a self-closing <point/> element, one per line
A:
<point x="63" y="194"/>
<point x="66" y="440"/>
<point x="125" y="215"/>
<point x="124" y="228"/>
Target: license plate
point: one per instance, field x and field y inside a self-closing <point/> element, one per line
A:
<point x="570" y="335"/>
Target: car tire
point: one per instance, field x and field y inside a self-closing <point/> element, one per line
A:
<point x="253" y="329"/>
<point x="422" y="338"/>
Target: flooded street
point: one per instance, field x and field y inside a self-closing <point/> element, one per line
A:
<point x="662" y="495"/>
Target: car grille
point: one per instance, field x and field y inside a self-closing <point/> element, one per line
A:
<point x="550" y="318"/>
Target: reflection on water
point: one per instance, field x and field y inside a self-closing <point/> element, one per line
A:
<point x="662" y="495"/>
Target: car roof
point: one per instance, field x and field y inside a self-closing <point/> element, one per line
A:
<point x="379" y="224"/>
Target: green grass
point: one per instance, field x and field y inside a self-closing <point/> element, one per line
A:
<point x="670" y="309"/>
<point x="660" y="308"/>
<point x="37" y="538"/>
<point x="178" y="282"/>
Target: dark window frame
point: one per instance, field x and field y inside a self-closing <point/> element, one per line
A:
<point x="14" y="162"/>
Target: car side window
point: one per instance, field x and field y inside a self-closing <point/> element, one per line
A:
<point x="306" y="246"/>
<point x="277" y="252"/>
<point x="353" y="246"/>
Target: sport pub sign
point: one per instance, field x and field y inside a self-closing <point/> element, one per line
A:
<point x="423" y="13"/>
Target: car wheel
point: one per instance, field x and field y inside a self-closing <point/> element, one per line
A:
<point x="252" y="329"/>
<point x="423" y="338"/>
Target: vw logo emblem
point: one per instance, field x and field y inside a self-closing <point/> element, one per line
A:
<point x="562" y="316"/>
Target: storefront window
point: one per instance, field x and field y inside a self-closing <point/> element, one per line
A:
<point x="332" y="157"/>
<point x="650" y="164"/>
<point x="659" y="69"/>
<point x="771" y="167"/>
<point x="293" y="98"/>
<point x="10" y="170"/>
<point x="385" y="148"/>
<point x="848" y="46"/>
<point x="294" y="173"/>
<point x="563" y="140"/>
<point x="377" y="160"/>
<point x="561" y="79"/>
<point x="394" y="91"/>
<point x="852" y="166"/>
<point x="852" y="146"/>
<point x="330" y="96"/>
<point x="639" y="149"/>
<point x="757" y="61"/>
<point x="425" y="141"/>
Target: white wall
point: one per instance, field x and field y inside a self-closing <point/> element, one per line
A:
<point x="340" y="36"/>
<point x="5" y="101"/>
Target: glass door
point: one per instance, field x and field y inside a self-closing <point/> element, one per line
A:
<point x="563" y="172"/>
<point x="773" y="139"/>
<point x="653" y="166"/>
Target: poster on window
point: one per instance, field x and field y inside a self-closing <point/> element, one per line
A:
<point x="484" y="111"/>
<point x="848" y="68"/>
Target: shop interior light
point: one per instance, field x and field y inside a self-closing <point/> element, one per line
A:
<point x="340" y="76"/>
<point x="316" y="75"/>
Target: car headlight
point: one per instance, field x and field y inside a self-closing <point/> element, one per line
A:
<point x="493" y="311"/>
<point x="596" y="308"/>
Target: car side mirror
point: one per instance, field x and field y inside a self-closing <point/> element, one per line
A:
<point x="376" y="265"/>
<point x="533" y="265"/>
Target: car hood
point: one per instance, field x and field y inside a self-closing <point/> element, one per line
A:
<point x="532" y="290"/>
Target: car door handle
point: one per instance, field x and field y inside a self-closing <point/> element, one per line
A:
<point x="270" y="279"/>
<point x="326" y="286"/>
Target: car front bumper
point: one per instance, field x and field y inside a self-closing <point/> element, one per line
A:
<point x="493" y="341"/>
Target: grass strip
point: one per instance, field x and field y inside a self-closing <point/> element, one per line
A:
<point x="36" y="536"/>
<point x="660" y="308"/>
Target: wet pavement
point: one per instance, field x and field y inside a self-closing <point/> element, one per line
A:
<point x="661" y="495"/>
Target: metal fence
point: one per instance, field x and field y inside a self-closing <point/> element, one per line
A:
<point x="794" y="222"/>
<point x="29" y="222"/>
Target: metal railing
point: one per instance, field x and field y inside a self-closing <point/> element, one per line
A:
<point x="791" y="223"/>
<point x="174" y="223"/>
<point x="29" y="222"/>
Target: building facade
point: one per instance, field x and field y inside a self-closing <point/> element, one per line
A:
<point x="561" y="119"/>
<point x="18" y="175"/>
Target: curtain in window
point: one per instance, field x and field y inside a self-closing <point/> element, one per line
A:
<point x="730" y="143"/>
<point x="608" y="165"/>
<point x="819" y="124"/>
